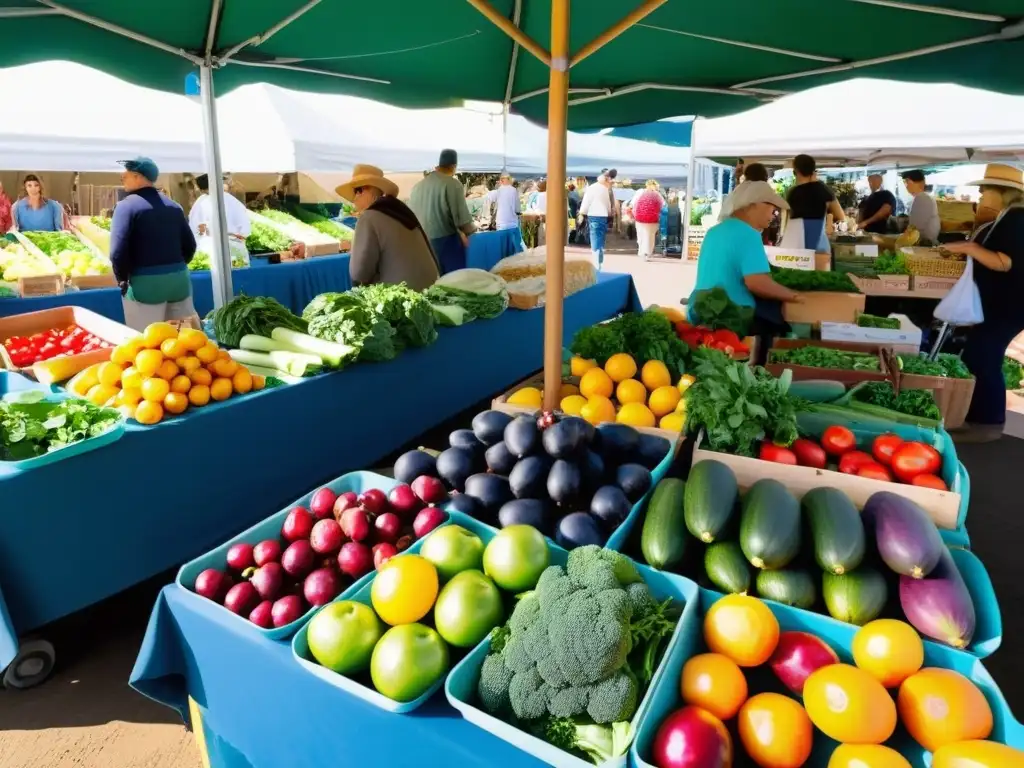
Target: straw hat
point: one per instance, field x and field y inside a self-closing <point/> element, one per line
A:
<point x="997" y="175"/>
<point x="366" y="176"/>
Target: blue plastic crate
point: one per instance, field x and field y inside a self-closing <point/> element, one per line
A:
<point x="959" y="538"/>
<point x="664" y="695"/>
<point x="271" y="529"/>
<point x="621" y="534"/>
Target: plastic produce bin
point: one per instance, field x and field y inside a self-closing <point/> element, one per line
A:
<point x="621" y="534"/>
<point x="271" y="529"/>
<point x="664" y="694"/>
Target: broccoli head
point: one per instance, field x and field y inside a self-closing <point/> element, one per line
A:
<point x="615" y="698"/>
<point x="529" y="695"/>
<point x="493" y="685"/>
<point x="600" y="568"/>
<point x="590" y="634"/>
<point x="600" y="743"/>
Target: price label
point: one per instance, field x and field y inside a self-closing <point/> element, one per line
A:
<point x="790" y="258"/>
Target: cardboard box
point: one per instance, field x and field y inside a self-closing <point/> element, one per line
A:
<point x="904" y="340"/>
<point x="791" y="258"/>
<point x="845" y="376"/>
<point x="933" y="283"/>
<point x="825" y="306"/>
<point x="61" y="317"/>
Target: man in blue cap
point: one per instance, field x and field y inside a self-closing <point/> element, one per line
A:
<point x="151" y="245"/>
<point x="439" y="203"/>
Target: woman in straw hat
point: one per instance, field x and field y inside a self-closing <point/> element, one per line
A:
<point x="997" y="247"/>
<point x="389" y="245"/>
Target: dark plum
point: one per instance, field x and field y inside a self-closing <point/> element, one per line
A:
<point x="412" y="464"/>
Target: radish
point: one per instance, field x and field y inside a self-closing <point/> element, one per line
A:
<point x="212" y="584"/>
<point x="797" y="655"/>
<point x="286" y="610"/>
<point x="373" y="501"/>
<point x="344" y="501"/>
<point x="355" y="559"/>
<point x="321" y="586"/>
<point x="298" y="559"/>
<point x="430" y="490"/>
<point x="382" y="553"/>
<point x="326" y="537"/>
<point x="404" y="501"/>
<point x="355" y="524"/>
<point x="240" y="556"/>
<point x="388" y="527"/>
<point x="427" y="520"/>
<point x="241" y="598"/>
<point x="298" y="524"/>
<point x="268" y="551"/>
<point x="268" y="580"/>
<point x="322" y="503"/>
<point x="261" y="615"/>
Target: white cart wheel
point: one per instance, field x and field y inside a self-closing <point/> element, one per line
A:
<point x="31" y="666"/>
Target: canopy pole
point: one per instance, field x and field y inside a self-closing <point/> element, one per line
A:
<point x="634" y="17"/>
<point x="556" y="220"/>
<point x="220" y="259"/>
<point x="505" y="25"/>
<point x="688" y="203"/>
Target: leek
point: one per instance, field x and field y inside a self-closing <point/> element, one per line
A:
<point x="263" y="344"/>
<point x="291" y="363"/>
<point x="333" y="354"/>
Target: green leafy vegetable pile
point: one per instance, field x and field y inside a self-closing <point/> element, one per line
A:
<point x="913" y="402"/>
<point x="31" y="426"/>
<point x="891" y="263"/>
<point x="342" y="317"/>
<point x="814" y="280"/>
<point x="201" y="262"/>
<point x="7" y="293"/>
<point x="1013" y="373"/>
<point x="716" y="310"/>
<point x="573" y="660"/>
<point x="738" y="406"/>
<point x="477" y="292"/>
<point x="644" y="336"/>
<point x="953" y="365"/>
<point x="945" y="365"/>
<point x="53" y="243"/>
<point x="258" y="315"/>
<point x="103" y="222"/>
<point x="322" y="223"/>
<point x="874" y="321"/>
<point x="265" y="239"/>
<point x="408" y="311"/>
<point x="822" y="357"/>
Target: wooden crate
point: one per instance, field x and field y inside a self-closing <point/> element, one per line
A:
<point x="942" y="506"/>
<point x="847" y="377"/>
<point x="953" y="396"/>
<point x="41" y="285"/>
<point x="61" y="317"/>
<point x="821" y="306"/>
<point x="895" y="282"/>
<point x="316" y="243"/>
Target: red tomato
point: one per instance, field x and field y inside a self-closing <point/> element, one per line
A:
<point x="874" y="471"/>
<point x="838" y="440"/>
<point x="884" y="447"/>
<point x="851" y="462"/>
<point x="776" y="453"/>
<point x="809" y="453"/>
<point x="929" y="481"/>
<point x="913" y="459"/>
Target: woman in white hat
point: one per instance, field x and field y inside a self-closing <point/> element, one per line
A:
<point x="997" y="248"/>
<point x="389" y="245"/>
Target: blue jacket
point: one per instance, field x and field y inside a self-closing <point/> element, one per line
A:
<point x="149" y="234"/>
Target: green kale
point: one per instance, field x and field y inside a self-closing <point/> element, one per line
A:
<point x="913" y="402"/>
<point x="953" y="365"/>
<point x="715" y="310"/>
<point x="645" y="336"/>
<point x="263" y="238"/>
<point x="919" y="365"/>
<point x="258" y="315"/>
<point x="874" y="321"/>
<point x="408" y="311"/>
<point x="891" y="263"/>
<point x="814" y="280"/>
<point x="1013" y="373"/>
<point x="823" y="357"/>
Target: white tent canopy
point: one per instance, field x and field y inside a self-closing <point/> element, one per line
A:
<point x="874" y="123"/>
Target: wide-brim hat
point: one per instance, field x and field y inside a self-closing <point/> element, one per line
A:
<point x="998" y="175"/>
<point x="750" y="192"/>
<point x="366" y="176"/>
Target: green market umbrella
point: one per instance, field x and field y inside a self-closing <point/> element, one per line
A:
<point x="631" y="61"/>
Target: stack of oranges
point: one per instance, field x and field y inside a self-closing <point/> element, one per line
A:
<point x="163" y="372"/>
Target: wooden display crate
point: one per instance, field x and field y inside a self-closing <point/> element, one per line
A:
<point x="821" y="306"/>
<point x="316" y="243"/>
<point x="942" y="506"/>
<point x="847" y="377"/>
<point x="61" y="317"/>
<point x="40" y="285"/>
<point x="953" y="396"/>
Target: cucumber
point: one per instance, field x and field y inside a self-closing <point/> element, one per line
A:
<point x="726" y="567"/>
<point x="770" y="525"/>
<point x="836" y="528"/>
<point x="857" y="597"/>
<point x="788" y="586"/>
<point x="663" y="539"/>
<point x="817" y="390"/>
<point x="711" y="493"/>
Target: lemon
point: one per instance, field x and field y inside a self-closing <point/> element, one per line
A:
<point x="598" y="410"/>
<point x="685" y="382"/>
<point x="101" y="393"/>
<point x="636" y="415"/>
<point x="191" y="339"/>
<point x="620" y="367"/>
<point x="631" y="391"/>
<point x="173" y="349"/>
<point x="125" y="353"/>
<point x="596" y="382"/>
<point x="181" y="383"/>
<point x="148" y="362"/>
<point x="132" y="378"/>
<point x="157" y="333"/>
<point x="681" y="405"/>
<point x="109" y="374"/>
<point x="578" y="366"/>
<point x="528" y="396"/>
<point x="573" y="404"/>
<point x="130" y="397"/>
<point x="168" y="370"/>
<point x="568" y="389"/>
<point x="655" y="374"/>
<point x="155" y="390"/>
<point x="664" y="400"/>
<point x="148" y="412"/>
<point x="673" y="422"/>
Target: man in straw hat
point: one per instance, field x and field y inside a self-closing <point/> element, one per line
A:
<point x="389" y="245"/>
<point x="440" y="203"/>
<point x="997" y="247"/>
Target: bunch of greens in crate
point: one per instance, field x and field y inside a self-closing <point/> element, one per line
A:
<point x="263" y="238"/>
<point x="945" y="366"/>
<point x="814" y="280"/>
<point x="255" y="315"/>
<point x="1013" y="373"/>
<point x="953" y="365"/>
<point x="103" y="222"/>
<point x="53" y="243"/>
<point x="201" y="261"/>
<point x="322" y="223"/>
<point x="874" y="321"/>
<point x="912" y="402"/>
<point x="891" y="263"/>
<point x="738" y="406"/>
<point x="645" y="336"/>
<point x="31" y="426"/>
<point x="823" y="357"/>
<point x="714" y="309"/>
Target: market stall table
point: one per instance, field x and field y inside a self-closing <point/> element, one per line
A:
<point x="293" y="283"/>
<point x="82" y="529"/>
<point x="488" y="248"/>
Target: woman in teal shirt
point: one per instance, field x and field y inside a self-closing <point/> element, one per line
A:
<point x="35" y="213"/>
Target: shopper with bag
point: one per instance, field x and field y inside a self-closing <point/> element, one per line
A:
<point x="997" y="252"/>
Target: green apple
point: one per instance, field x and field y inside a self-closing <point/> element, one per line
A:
<point x="516" y="557"/>
<point x="342" y="636"/>
<point x="407" y="660"/>
<point x="467" y="609"/>
<point x="453" y="549"/>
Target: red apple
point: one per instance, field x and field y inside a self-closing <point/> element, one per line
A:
<point x="322" y="503"/>
<point x="321" y="586"/>
<point x="404" y="501"/>
<point x="268" y="551"/>
<point x="345" y="500"/>
<point x="355" y="524"/>
<point x="298" y="524"/>
<point x="261" y="615"/>
<point x="288" y="609"/>
<point x="241" y="598"/>
<point x="382" y="553"/>
<point x="427" y="520"/>
<point x="355" y="559"/>
<point x="240" y="556"/>
<point x="212" y="584"/>
<point x="374" y="501"/>
<point x="430" y="490"/>
<point x="298" y="559"/>
<point x="388" y="527"/>
<point x="326" y="537"/>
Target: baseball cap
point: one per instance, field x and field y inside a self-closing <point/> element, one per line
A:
<point x="143" y="166"/>
<point x="448" y="157"/>
<point x="750" y="192"/>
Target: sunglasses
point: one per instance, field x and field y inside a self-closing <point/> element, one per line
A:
<point x="358" y="190"/>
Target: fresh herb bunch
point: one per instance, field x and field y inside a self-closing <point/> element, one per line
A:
<point x="814" y="280"/>
<point x="945" y="366"/>
<point x="953" y="365"/>
<point x="645" y="336"/>
<point x="714" y="309"/>
<point x="31" y="426"/>
<point x="738" y="406"/>
<point x="265" y="239"/>
<point x="891" y="263"/>
<point x="1013" y="373"/>
<point x="822" y="357"/>
<point x="874" y="321"/>
<point x="258" y="315"/>
<point x="913" y="402"/>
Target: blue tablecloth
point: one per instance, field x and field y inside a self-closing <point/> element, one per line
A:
<point x="488" y="248"/>
<point x="293" y="283"/>
<point x="77" y="531"/>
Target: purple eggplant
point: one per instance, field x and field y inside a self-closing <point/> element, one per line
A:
<point x="906" y="537"/>
<point x="939" y="605"/>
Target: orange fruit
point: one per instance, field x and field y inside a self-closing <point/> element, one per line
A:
<point x="775" y="731"/>
<point x="201" y="376"/>
<point x="531" y="397"/>
<point x="868" y="756"/>
<point x="596" y="382"/>
<point x="242" y="380"/>
<point x="148" y="412"/>
<point x="976" y="754"/>
<point x="714" y="682"/>
<point x="742" y="628"/>
<point x="173" y="349"/>
<point x="128" y="411"/>
<point x="148" y="361"/>
<point x="181" y="383"/>
<point x="175" y="402"/>
<point x="191" y="339"/>
<point x="199" y="395"/>
<point x="207" y="353"/>
<point x="124" y="353"/>
<point x="940" y="707"/>
<point x="849" y="705"/>
<point x="155" y="390"/>
<point x="131" y="378"/>
<point x="664" y="400"/>
<point x="636" y="415"/>
<point x="128" y="397"/>
<point x="222" y="354"/>
<point x="168" y="370"/>
<point x="109" y="373"/>
<point x="888" y="650"/>
<point x="258" y="383"/>
<point x="225" y="368"/>
<point x="221" y="389"/>
<point x="630" y="391"/>
<point x="156" y="333"/>
<point x="655" y="374"/>
<point x="189" y="363"/>
<point x="598" y="410"/>
<point x="578" y="366"/>
<point x="620" y="367"/>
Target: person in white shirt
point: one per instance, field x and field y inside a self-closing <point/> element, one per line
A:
<point x="597" y="207"/>
<point x="505" y="197"/>
<point x="235" y="214"/>
<point x="539" y="202"/>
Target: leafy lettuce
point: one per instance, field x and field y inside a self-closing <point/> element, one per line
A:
<point x="31" y="426"/>
<point x="476" y="291"/>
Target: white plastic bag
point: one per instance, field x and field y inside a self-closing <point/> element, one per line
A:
<point x="962" y="305"/>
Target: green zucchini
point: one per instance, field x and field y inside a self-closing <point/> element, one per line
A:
<point x="789" y="586"/>
<point x="711" y="493"/>
<point x="857" y="597"/>
<point x="836" y="528"/>
<point x="726" y="567"/>
<point x="663" y="539"/>
<point x="770" y="525"/>
<point x="817" y="390"/>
